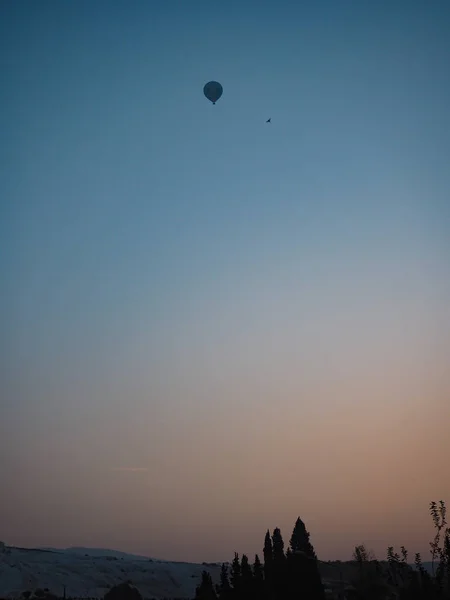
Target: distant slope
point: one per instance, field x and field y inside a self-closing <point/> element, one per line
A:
<point x="92" y="576"/>
<point x="80" y="550"/>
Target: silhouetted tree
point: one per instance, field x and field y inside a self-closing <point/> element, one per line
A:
<point x="247" y="590"/>
<point x="370" y="583"/>
<point x="268" y="562"/>
<point x="303" y="574"/>
<point x="123" y="591"/>
<point x="268" y="550"/>
<point x="278" y="546"/>
<point x="205" y="591"/>
<point x="258" y="579"/>
<point x="279" y="581"/>
<point x="224" y="590"/>
<point x="440" y="548"/>
<point x="299" y="541"/>
<point x="236" y="577"/>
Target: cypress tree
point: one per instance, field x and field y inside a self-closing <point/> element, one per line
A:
<point x="268" y="558"/>
<point x="258" y="572"/>
<point x="224" y="590"/>
<point x="279" y="581"/>
<point x="205" y="591"/>
<point x="258" y="579"/>
<point x="236" y="577"/>
<point x="304" y="578"/>
<point x="268" y="550"/>
<point x="278" y="547"/>
<point x="247" y="590"/>
<point x="299" y="541"/>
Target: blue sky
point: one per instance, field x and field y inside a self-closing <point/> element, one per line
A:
<point x="167" y="263"/>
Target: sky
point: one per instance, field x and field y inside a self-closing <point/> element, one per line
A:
<point x="211" y="325"/>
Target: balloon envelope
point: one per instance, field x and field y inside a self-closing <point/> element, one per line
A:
<point x="213" y="90"/>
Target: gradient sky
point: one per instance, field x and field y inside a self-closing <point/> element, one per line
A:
<point x="211" y="325"/>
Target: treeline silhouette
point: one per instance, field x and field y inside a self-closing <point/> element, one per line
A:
<point x="287" y="575"/>
<point x="294" y="574"/>
<point x="396" y="579"/>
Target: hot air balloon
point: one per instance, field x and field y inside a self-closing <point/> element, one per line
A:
<point x="213" y="90"/>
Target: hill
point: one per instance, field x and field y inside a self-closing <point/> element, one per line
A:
<point x="90" y="573"/>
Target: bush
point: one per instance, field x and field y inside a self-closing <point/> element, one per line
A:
<point x="123" y="591"/>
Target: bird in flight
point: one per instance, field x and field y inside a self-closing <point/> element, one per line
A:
<point x="268" y="120"/>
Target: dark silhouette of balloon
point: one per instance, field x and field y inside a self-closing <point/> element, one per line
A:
<point x="213" y="90"/>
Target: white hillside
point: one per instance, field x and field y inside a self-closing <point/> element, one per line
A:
<point x="102" y="552"/>
<point x="90" y="576"/>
